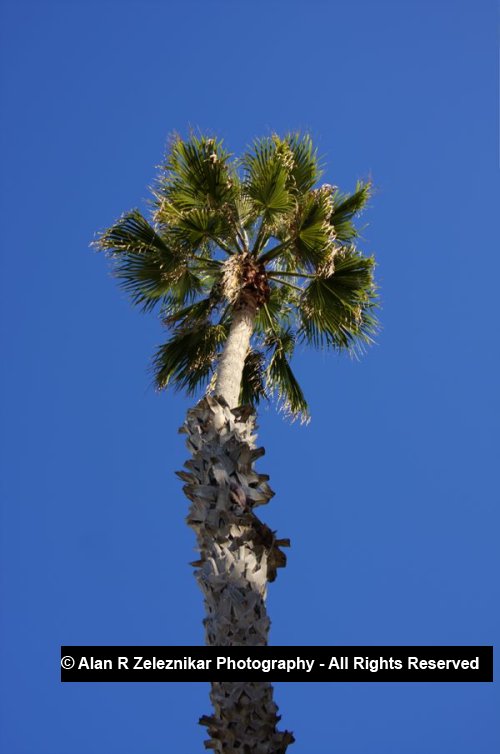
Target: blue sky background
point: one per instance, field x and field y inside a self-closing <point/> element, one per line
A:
<point x="389" y="496"/>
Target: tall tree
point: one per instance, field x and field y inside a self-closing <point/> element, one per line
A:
<point x="245" y="259"/>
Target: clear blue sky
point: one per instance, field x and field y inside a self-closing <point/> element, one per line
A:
<point x="390" y="496"/>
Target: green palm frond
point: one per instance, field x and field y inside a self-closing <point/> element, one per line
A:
<point x="132" y="233"/>
<point x="142" y="276"/>
<point x="252" y="381"/>
<point x="346" y="206"/>
<point x="187" y="359"/>
<point x="148" y="283"/>
<point x="280" y="378"/>
<point x="266" y="181"/>
<point x="314" y="235"/>
<point x="305" y="171"/>
<point x="196" y="227"/>
<point x="197" y="175"/>
<point x="145" y="264"/>
<point x="276" y="310"/>
<point x="337" y="308"/>
<point x="185" y="285"/>
<point x="177" y="315"/>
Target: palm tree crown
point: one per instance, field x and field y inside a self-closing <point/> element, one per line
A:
<point x="259" y="232"/>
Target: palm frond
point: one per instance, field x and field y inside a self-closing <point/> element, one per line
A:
<point x="187" y="359"/>
<point x="179" y="316"/>
<point x="266" y="181"/>
<point x="337" y="309"/>
<point x="196" y="175"/>
<point x="346" y="206"/>
<point x="305" y="171"/>
<point x="185" y="284"/>
<point x="194" y="228"/>
<point x="252" y="380"/>
<point x="143" y="278"/>
<point x="144" y="263"/>
<point x="274" y="312"/>
<point x="132" y="233"/>
<point x="280" y="378"/>
<point x="314" y="236"/>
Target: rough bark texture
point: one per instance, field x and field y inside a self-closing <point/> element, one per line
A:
<point x="232" y="360"/>
<point x="238" y="556"/>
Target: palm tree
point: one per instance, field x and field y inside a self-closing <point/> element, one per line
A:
<point x="245" y="260"/>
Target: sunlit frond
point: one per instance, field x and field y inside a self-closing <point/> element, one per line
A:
<point x="337" y="309"/>
<point x="133" y="233"/>
<point x="196" y="174"/>
<point x="346" y="206"/>
<point x="266" y="181"/>
<point x="305" y="171"/>
<point x="196" y="227"/>
<point x="314" y="236"/>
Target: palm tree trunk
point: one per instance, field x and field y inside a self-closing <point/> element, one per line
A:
<point x="238" y="556"/>
<point x="233" y="357"/>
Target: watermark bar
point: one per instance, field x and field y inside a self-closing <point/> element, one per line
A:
<point x="462" y="664"/>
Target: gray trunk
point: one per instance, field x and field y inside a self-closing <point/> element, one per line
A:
<point x="233" y="357"/>
<point x="239" y="555"/>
